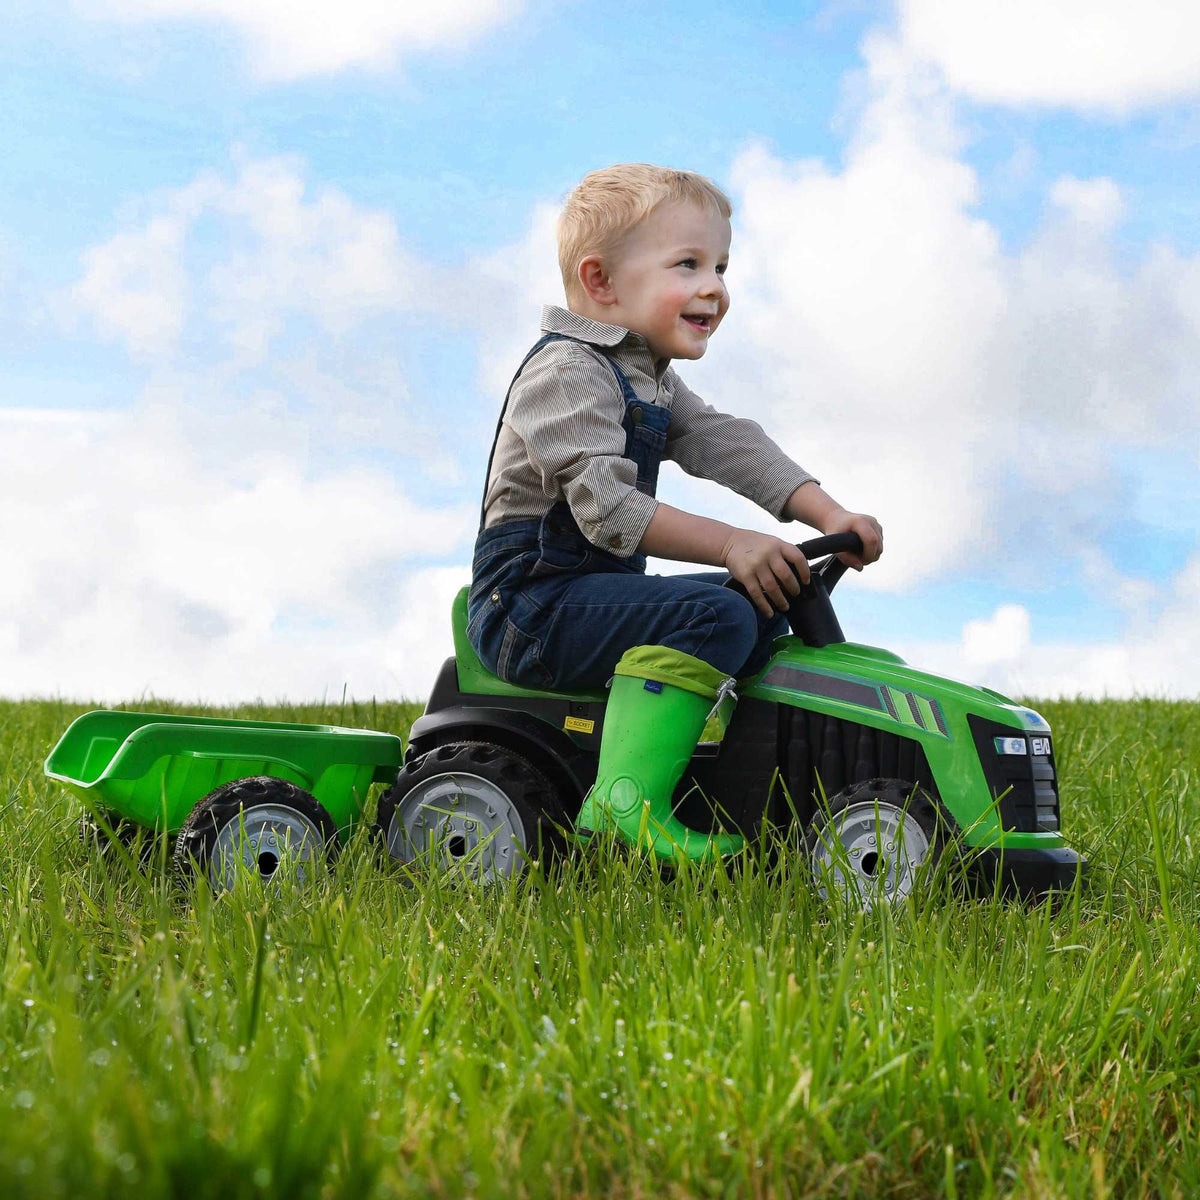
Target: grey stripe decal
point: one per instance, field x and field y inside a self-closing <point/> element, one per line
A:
<point x="846" y="690"/>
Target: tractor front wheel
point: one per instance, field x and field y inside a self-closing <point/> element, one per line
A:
<point x="876" y="840"/>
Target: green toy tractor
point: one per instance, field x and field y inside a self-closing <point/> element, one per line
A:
<point x="882" y="767"/>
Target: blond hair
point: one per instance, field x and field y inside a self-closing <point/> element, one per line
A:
<point x="606" y="204"/>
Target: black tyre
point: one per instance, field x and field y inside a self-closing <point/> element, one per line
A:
<point x="255" y="824"/>
<point x="875" y="843"/>
<point x="471" y="808"/>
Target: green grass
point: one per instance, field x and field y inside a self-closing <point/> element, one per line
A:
<point x="599" y="1030"/>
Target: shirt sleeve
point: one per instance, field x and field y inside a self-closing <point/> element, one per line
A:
<point x="567" y="409"/>
<point x="732" y="451"/>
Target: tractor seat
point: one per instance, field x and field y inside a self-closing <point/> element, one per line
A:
<point x="474" y="677"/>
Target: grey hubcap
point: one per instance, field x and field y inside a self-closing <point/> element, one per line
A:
<point x="870" y="851"/>
<point x="458" y="822"/>
<point x="259" y="840"/>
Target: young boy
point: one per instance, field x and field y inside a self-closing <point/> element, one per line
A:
<point x="559" y="597"/>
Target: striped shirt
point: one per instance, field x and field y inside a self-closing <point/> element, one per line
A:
<point x="562" y="437"/>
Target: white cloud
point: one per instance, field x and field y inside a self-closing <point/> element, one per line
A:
<point x="135" y="285"/>
<point x="144" y="562"/>
<point x="977" y="400"/>
<point x="1095" y="203"/>
<point x="249" y="524"/>
<point x="275" y="249"/>
<point x="511" y="285"/>
<point x="288" y="40"/>
<point x="1093" y="54"/>
<point x="1157" y="656"/>
<point x="1003" y="637"/>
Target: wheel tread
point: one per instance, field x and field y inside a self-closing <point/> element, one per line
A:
<point x="523" y="783"/>
<point x="194" y="842"/>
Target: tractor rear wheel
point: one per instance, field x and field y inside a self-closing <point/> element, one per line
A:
<point x="875" y="842"/>
<point x="470" y="808"/>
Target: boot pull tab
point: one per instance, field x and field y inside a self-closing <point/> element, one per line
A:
<point x="726" y="690"/>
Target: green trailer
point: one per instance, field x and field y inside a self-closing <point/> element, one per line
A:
<point x="226" y="789"/>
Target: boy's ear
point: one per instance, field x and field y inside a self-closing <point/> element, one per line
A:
<point x="596" y="281"/>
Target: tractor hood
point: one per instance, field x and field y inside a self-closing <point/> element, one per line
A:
<point x="875" y="686"/>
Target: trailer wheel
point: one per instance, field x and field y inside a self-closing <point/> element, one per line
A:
<point x="875" y="842"/>
<point x="256" y="824"/>
<point x="469" y="808"/>
<point x="139" y="840"/>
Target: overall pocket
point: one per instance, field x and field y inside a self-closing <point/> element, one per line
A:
<point x="562" y="548"/>
<point x="520" y="659"/>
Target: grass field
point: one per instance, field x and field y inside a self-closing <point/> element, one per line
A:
<point x="600" y="1030"/>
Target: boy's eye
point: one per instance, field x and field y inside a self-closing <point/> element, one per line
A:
<point x="722" y="268"/>
<point x="690" y="263"/>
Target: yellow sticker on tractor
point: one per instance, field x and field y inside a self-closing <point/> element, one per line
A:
<point x="579" y="724"/>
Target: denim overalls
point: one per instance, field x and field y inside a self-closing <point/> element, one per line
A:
<point x="527" y="572"/>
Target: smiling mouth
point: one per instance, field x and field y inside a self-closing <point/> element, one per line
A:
<point x="700" y="322"/>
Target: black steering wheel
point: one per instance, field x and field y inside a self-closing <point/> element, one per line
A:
<point x="810" y="613"/>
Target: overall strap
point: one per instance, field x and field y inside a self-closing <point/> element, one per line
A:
<point x="543" y="341"/>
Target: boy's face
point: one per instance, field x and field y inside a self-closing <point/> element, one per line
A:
<point x="668" y="277"/>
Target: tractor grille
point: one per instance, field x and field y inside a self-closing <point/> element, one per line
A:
<point x="822" y="754"/>
<point x="815" y="754"/>
<point x="1026" y="784"/>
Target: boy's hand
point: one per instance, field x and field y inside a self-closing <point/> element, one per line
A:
<point x="763" y="564"/>
<point x="867" y="528"/>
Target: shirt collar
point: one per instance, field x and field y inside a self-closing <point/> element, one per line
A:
<point x="597" y="333"/>
<point x="562" y="320"/>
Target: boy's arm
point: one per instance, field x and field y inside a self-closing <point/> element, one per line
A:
<point x="816" y="507"/>
<point x="732" y="451"/>
<point x="736" y="452"/>
<point x="762" y="563"/>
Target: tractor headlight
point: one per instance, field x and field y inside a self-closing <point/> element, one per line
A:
<point x="1011" y="745"/>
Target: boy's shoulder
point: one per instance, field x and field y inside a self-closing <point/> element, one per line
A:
<point x="569" y="340"/>
<point x="562" y="354"/>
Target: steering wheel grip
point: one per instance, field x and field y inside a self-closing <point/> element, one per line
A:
<point x="831" y="543"/>
<point x="828" y="572"/>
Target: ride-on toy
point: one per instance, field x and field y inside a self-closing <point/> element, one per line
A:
<point x="880" y="764"/>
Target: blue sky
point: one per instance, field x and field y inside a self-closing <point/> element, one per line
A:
<point x="263" y="284"/>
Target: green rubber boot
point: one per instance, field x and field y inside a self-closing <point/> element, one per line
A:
<point x="657" y="707"/>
